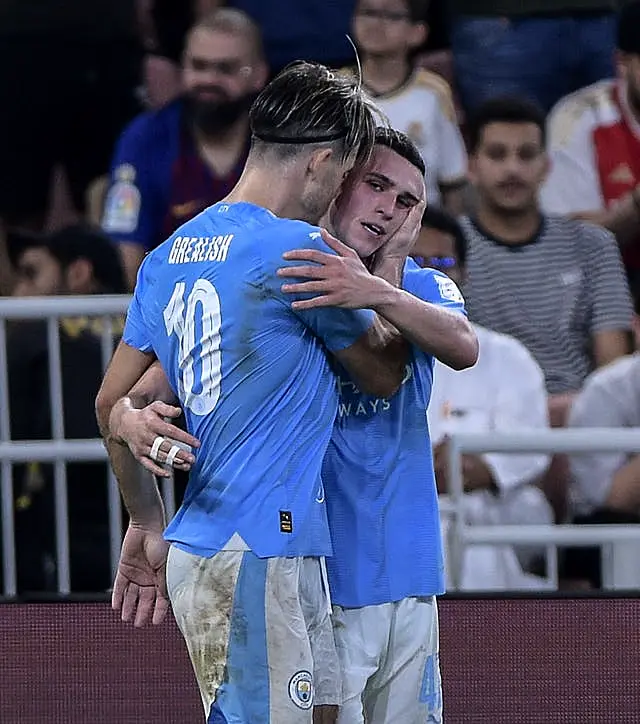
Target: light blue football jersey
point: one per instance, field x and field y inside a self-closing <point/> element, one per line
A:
<point x="251" y="374"/>
<point x="379" y="480"/>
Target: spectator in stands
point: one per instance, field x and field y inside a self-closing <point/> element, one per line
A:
<point x="75" y="260"/>
<point x="171" y="164"/>
<point x="555" y="284"/>
<point x="504" y="392"/>
<point x="594" y="143"/>
<point x="605" y="487"/>
<point x="292" y="30"/>
<point x="69" y="82"/>
<point x="416" y="101"/>
<point x="539" y="49"/>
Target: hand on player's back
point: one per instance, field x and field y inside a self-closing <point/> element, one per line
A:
<point x="335" y="280"/>
<point x="140" y="588"/>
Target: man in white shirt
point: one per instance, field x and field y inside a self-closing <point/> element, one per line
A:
<point x="594" y="145"/>
<point x="504" y="391"/>
<point x="605" y="487"/>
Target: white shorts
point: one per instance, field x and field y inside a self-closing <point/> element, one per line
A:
<point x="390" y="665"/>
<point x="252" y="626"/>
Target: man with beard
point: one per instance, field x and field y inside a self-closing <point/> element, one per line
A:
<point x="171" y="164"/>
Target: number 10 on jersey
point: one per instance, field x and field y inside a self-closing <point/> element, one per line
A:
<point x="197" y="356"/>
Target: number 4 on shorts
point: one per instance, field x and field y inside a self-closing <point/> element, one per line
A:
<point x="430" y="692"/>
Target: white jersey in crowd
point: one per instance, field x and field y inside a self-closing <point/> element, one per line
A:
<point x="504" y="392"/>
<point x="423" y="109"/>
<point x="610" y="398"/>
<point x="593" y="141"/>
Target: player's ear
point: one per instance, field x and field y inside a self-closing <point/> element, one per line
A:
<point x="418" y="35"/>
<point x="318" y="159"/>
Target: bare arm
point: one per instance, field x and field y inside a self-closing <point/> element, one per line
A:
<point x="609" y="345"/>
<point x="623" y="219"/>
<point x="446" y="335"/>
<point x="141" y="496"/>
<point x="624" y="493"/>
<point x="376" y="361"/>
<point x="559" y="406"/>
<point x="138" y="419"/>
<point x="132" y="255"/>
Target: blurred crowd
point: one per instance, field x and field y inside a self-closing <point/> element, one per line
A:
<point x="131" y="116"/>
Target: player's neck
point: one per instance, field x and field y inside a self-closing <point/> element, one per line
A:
<point x="383" y="74"/>
<point x="509" y="228"/>
<point x="259" y="186"/>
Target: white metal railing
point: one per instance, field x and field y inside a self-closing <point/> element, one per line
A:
<point x="621" y="569"/>
<point x="58" y="450"/>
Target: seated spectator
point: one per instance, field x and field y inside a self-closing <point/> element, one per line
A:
<point x="416" y="101"/>
<point x="172" y="163"/>
<point x="539" y="49"/>
<point x="292" y="30"/>
<point x="594" y="144"/>
<point x="503" y="392"/>
<point x="605" y="487"/>
<point x="76" y="261"/>
<point x="555" y="284"/>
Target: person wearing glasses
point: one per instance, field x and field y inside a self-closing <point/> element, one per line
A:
<point x="505" y="392"/>
<point x="417" y="101"/>
<point x="172" y="163"/>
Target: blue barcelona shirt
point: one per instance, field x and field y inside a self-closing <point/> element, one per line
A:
<point x="379" y="480"/>
<point x="252" y="376"/>
<point x="158" y="179"/>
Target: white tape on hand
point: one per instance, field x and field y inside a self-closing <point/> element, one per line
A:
<point x="155" y="448"/>
<point x="171" y="456"/>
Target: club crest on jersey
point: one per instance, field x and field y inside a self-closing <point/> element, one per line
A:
<point x="301" y="690"/>
<point x="448" y="290"/>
